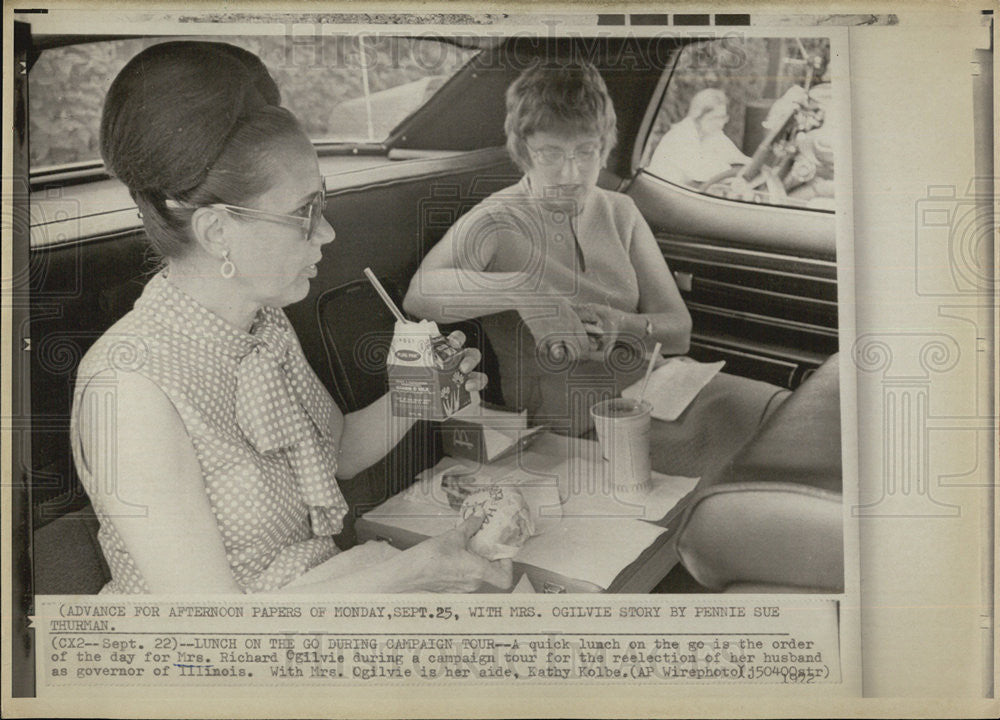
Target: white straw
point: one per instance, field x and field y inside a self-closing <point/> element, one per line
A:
<point x="384" y="295"/>
<point x="649" y="371"/>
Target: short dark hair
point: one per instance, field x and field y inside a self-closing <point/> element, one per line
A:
<point x="550" y="97"/>
<point x="191" y="122"/>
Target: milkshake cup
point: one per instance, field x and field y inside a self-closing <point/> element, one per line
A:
<point x="623" y="434"/>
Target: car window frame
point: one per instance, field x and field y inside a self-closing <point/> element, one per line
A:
<point x="84" y="171"/>
<point x="646" y="130"/>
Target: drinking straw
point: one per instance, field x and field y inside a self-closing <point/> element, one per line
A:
<point x="649" y="371"/>
<point x="384" y="295"/>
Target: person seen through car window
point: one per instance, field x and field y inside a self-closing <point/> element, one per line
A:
<point x="207" y="445"/>
<point x="696" y="149"/>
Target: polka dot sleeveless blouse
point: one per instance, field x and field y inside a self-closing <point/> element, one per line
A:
<point x="193" y="356"/>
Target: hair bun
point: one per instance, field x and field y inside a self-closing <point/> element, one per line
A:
<point x="169" y="112"/>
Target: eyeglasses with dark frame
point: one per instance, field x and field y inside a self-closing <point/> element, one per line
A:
<point x="308" y="222"/>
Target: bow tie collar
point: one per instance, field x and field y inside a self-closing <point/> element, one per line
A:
<point x="275" y="416"/>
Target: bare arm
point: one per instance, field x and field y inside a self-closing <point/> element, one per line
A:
<point x="660" y="302"/>
<point x="369" y="434"/>
<point x="454" y="283"/>
<point x="659" y="299"/>
<point x="439" y="564"/>
<point x="149" y="483"/>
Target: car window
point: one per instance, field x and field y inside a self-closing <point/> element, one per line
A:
<point x="746" y="119"/>
<point x="341" y="88"/>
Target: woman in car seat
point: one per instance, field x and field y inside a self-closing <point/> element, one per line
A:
<point x="570" y="284"/>
<point x="206" y="443"/>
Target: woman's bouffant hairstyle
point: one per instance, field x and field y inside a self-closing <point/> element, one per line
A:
<point x="555" y="97"/>
<point x="188" y="124"/>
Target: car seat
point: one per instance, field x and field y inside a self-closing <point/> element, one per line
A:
<point x="772" y="519"/>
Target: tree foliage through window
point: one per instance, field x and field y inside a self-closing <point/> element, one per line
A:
<point x="322" y="81"/>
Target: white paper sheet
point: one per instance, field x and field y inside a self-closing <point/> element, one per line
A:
<point x="582" y="531"/>
<point x="422" y="518"/>
<point x="591" y="549"/>
<point x="674" y="384"/>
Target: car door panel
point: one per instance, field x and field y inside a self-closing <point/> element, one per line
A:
<point x="676" y="210"/>
<point x="760" y="281"/>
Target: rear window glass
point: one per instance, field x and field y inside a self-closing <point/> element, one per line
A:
<point x="341" y="88"/>
<point x="747" y="119"/>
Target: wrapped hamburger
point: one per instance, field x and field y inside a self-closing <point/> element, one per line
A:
<point x="459" y="485"/>
<point x="507" y="523"/>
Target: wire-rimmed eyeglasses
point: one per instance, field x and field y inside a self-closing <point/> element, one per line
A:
<point x="552" y="157"/>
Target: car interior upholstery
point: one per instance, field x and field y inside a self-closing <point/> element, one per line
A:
<point x="770" y="521"/>
<point x="387" y="214"/>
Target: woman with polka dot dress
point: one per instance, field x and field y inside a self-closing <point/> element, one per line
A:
<point x="207" y="445"/>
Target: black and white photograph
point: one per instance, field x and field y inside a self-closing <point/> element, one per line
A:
<point x="583" y="289"/>
<point x="480" y="349"/>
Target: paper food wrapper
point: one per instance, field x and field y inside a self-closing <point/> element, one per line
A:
<point x="459" y="485"/>
<point x="448" y="484"/>
<point x="422" y="382"/>
<point x="673" y="385"/>
<point x="507" y="523"/>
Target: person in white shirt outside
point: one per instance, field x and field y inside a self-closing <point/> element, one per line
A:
<point x="696" y="149"/>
